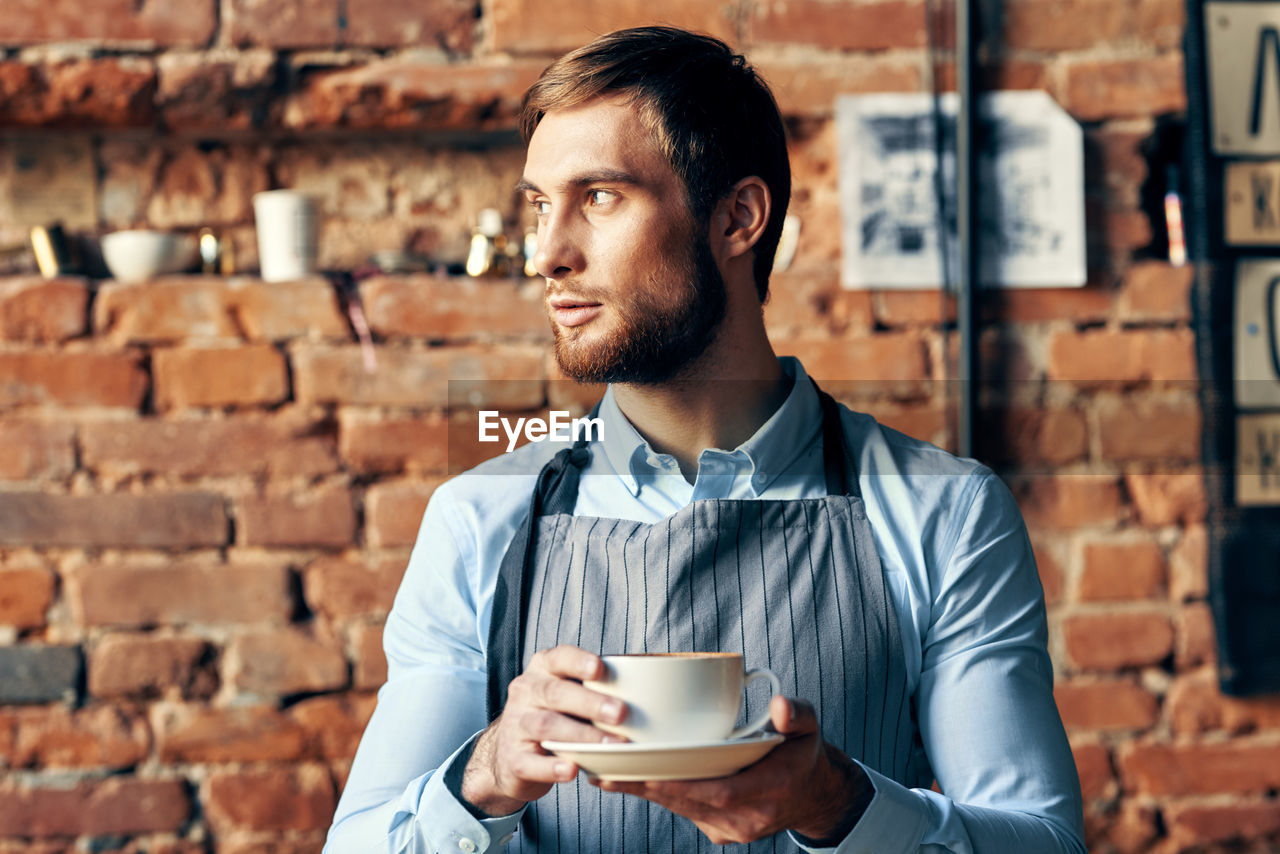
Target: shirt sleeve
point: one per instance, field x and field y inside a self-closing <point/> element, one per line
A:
<point x="430" y="708"/>
<point x="985" y="705"/>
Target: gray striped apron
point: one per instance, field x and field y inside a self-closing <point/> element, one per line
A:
<point x="796" y="586"/>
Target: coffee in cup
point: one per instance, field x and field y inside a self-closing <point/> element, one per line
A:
<point x="681" y="697"/>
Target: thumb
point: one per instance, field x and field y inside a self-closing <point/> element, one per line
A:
<point x="792" y="716"/>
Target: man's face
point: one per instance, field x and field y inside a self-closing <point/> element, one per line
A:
<point x="633" y="292"/>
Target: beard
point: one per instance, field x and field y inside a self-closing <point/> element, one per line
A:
<point x="655" y="340"/>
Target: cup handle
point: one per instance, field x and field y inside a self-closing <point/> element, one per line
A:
<point x="763" y="718"/>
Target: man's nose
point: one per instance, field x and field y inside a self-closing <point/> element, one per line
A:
<point x="559" y="252"/>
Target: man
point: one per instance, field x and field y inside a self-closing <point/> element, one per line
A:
<point x="890" y="585"/>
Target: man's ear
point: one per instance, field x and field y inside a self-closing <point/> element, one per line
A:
<point x="741" y="217"/>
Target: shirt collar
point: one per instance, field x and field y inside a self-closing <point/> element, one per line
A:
<point x="767" y="454"/>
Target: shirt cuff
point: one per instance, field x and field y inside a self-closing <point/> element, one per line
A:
<point x="894" y="823"/>
<point x="452" y="827"/>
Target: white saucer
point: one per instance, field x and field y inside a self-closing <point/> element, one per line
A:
<point x="627" y="761"/>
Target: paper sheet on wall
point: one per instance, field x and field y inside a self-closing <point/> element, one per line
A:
<point x="1031" y="176"/>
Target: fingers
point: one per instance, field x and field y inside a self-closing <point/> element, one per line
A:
<point x="792" y="717"/>
<point x="568" y="662"/>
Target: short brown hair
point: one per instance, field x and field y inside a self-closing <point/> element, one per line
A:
<point x="713" y="117"/>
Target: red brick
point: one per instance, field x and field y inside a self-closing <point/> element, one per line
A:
<point x="116" y="805"/>
<point x="453" y="309"/>
<point x="220" y="376"/>
<point x="1110" y="704"/>
<point x="1153" y="291"/>
<point x="134" y="665"/>
<point x="1163" y="498"/>
<point x="297" y="798"/>
<point x="201" y="186"/>
<point x="1142" y="429"/>
<point x="1195" y="704"/>
<point x="1125" y="569"/>
<point x="524" y="26"/>
<point x="1202" y="824"/>
<point x="1093" y="763"/>
<point x="156" y="520"/>
<point x="198" y="733"/>
<point x="1112" y="226"/>
<point x="341" y="588"/>
<point x="283" y="661"/>
<point x="393" y="512"/>
<point x="1118" y="639"/>
<point x="180" y="592"/>
<point x="1113" y="88"/>
<point x="1088" y="304"/>
<point x="369" y="669"/>
<point x="501" y="377"/>
<point x="799" y="301"/>
<point x="164" y="310"/>
<point x="99" y="93"/>
<point x="1115" y="163"/>
<point x="1050" y="569"/>
<point x="43" y="310"/>
<point x="274" y="311"/>
<point x="913" y="308"/>
<point x="1195" y="638"/>
<point x="1123" y="357"/>
<point x="206" y="91"/>
<point x="1068" y="501"/>
<point x="72" y="378"/>
<point x="1161" y="23"/>
<point x="1189" y="565"/>
<point x="334" y="723"/>
<point x="158" y="22"/>
<point x="297" y="24"/>
<point x="95" y="737"/>
<point x="874" y="364"/>
<point x="25" y="596"/>
<point x="1063" y="25"/>
<point x="1243" y="766"/>
<point x="808" y="87"/>
<point x="1132" y="829"/>
<point x="373" y="443"/>
<point x="927" y="421"/>
<point x="1000" y="73"/>
<point x="410" y="23"/>
<point x="280" y="446"/>
<point x="323" y="518"/>
<point x="402" y="93"/>
<point x="1033" y="435"/>
<point x="838" y="25"/>
<point x="36" y="450"/>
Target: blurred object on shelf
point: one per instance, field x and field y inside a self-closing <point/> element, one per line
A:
<point x="54" y="253"/>
<point x="287" y="234"/>
<point x="489" y="253"/>
<point x="530" y="249"/>
<point x="136" y="255"/>
<point x="210" y="252"/>
<point x="393" y="261"/>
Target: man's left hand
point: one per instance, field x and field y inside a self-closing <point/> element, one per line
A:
<point x="804" y="785"/>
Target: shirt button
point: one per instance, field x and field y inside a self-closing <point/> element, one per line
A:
<point x="504" y="840"/>
<point x="467" y="845"/>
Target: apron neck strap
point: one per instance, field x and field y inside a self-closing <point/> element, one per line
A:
<point x="837" y="464"/>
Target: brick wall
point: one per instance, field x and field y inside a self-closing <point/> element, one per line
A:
<point x="206" y="503"/>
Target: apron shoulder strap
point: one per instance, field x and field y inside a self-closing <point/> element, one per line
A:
<point x="837" y="462"/>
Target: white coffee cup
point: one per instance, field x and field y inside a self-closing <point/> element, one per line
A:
<point x="681" y="697"/>
<point x="286" y="224"/>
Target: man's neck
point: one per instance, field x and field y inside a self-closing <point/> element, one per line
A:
<point x="706" y="408"/>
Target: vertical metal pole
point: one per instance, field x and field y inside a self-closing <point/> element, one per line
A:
<point x="967" y="225"/>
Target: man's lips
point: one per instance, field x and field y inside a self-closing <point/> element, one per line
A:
<point x="571" y="311"/>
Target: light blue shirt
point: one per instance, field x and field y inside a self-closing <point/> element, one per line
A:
<point x="959" y="569"/>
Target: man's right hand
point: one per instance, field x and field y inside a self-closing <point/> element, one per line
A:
<point x="547" y="702"/>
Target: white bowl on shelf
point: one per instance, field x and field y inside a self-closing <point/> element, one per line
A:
<point x="138" y="254"/>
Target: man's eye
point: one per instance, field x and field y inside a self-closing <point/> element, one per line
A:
<point x="540" y="207"/>
<point x="599" y="197"/>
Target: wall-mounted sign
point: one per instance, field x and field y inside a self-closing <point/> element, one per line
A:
<point x="1256" y="331"/>
<point x="1258" y="460"/>
<point x="1031" y="208"/>
<point x="1244" y="76"/>
<point x="1253" y="203"/>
